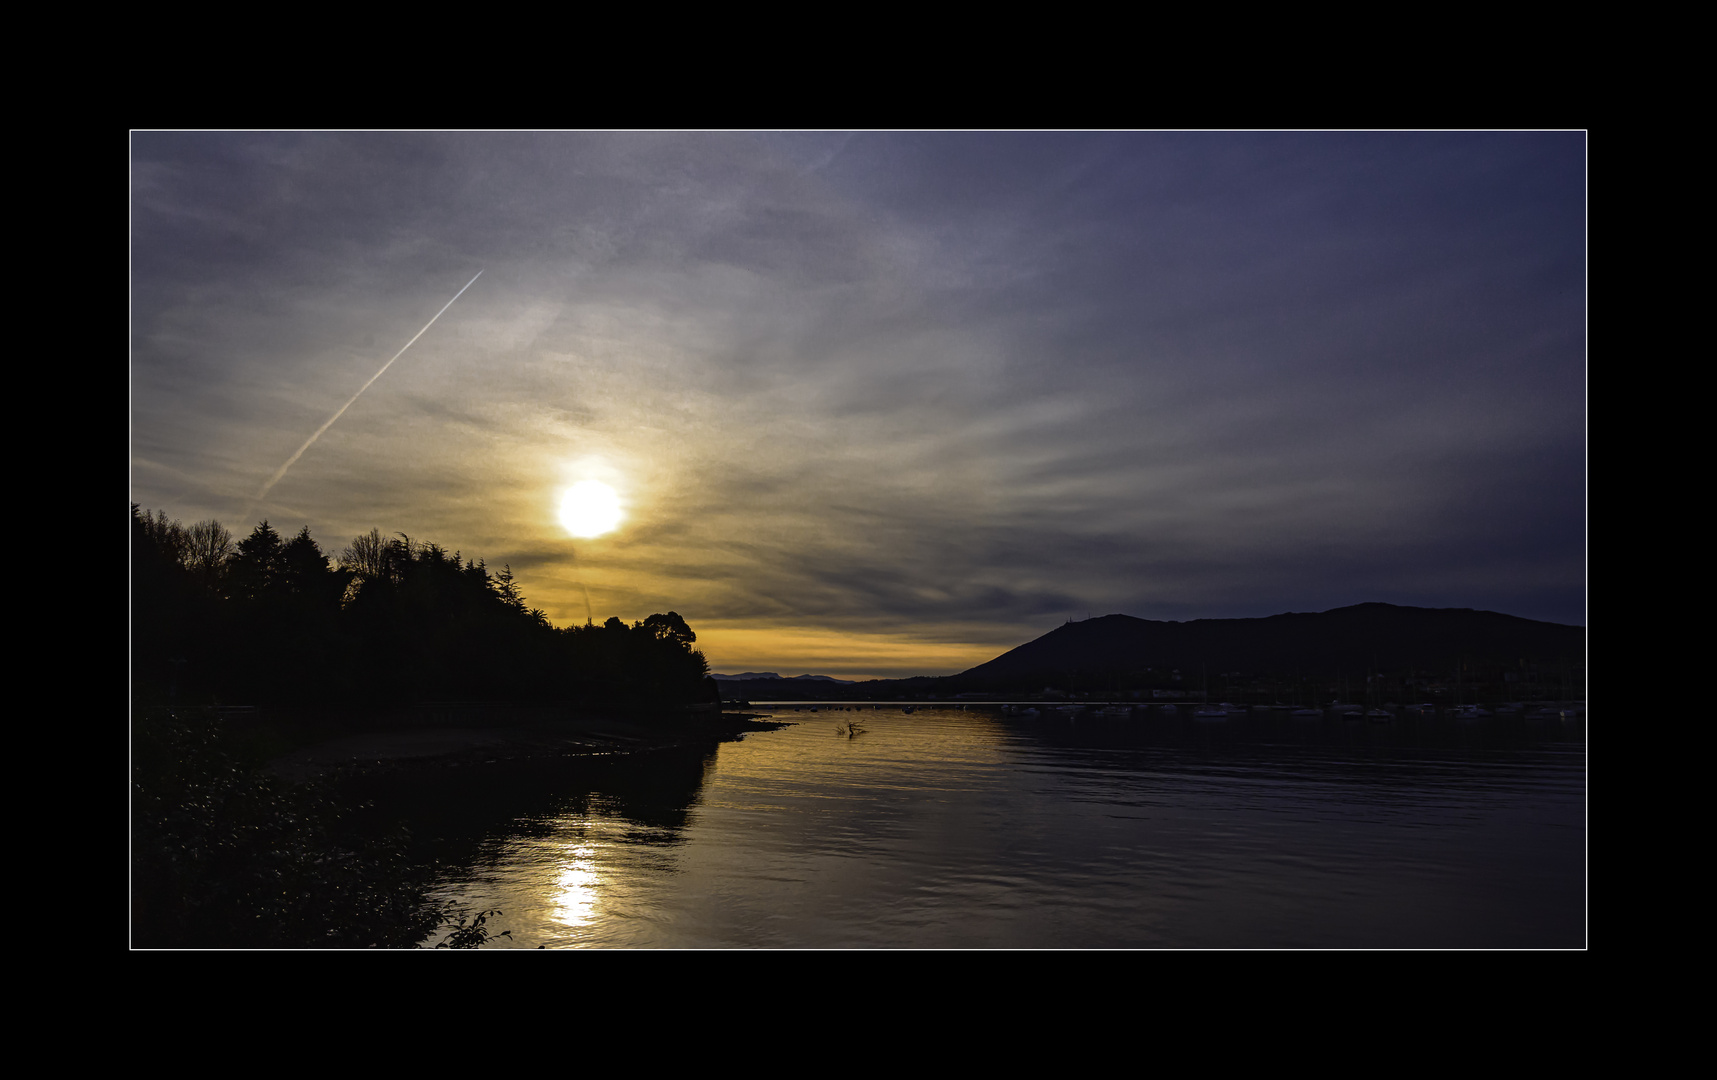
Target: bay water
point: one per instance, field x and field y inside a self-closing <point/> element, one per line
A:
<point x="856" y="827"/>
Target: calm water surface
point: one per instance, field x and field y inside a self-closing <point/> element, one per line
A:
<point x="952" y="828"/>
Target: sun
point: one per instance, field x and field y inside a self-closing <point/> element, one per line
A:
<point x="590" y="508"/>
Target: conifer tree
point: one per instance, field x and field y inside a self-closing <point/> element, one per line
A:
<point x="259" y="566"/>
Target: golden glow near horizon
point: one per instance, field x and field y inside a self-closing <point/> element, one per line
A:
<point x="804" y="650"/>
<point x="590" y="508"/>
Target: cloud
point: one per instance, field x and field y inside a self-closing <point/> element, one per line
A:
<point x="876" y="380"/>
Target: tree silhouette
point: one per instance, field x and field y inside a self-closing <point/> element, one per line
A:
<point x="366" y="557"/>
<point x="259" y="565"/>
<point x="669" y="627"/>
<point x="398" y="620"/>
<point x="306" y="572"/>
<point x="208" y="549"/>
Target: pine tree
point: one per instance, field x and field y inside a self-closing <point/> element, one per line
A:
<point x="259" y="567"/>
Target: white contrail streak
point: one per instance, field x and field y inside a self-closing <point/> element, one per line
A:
<point x="293" y="460"/>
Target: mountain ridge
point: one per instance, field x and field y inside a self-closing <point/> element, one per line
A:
<point x="1126" y="653"/>
<point x="1351" y="640"/>
<point x="748" y="676"/>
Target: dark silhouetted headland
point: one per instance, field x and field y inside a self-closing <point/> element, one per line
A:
<point x="272" y="621"/>
<point x="1351" y="641"/>
<point x="1277" y="656"/>
<point x="400" y="634"/>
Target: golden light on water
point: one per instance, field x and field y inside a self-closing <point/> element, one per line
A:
<point x="590" y="508"/>
<point x="575" y="890"/>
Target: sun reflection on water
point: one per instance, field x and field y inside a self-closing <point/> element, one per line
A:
<point x="575" y="897"/>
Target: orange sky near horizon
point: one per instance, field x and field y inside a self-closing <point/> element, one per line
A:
<point x="856" y="656"/>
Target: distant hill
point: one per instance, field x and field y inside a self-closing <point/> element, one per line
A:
<point x="1116" y="649"/>
<point x="749" y="676"/>
<point x="1122" y="653"/>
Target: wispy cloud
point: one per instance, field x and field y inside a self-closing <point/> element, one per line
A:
<point x="848" y="382"/>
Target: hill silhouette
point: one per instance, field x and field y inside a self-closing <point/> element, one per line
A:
<point x="1403" y="648"/>
<point x="1118" y="650"/>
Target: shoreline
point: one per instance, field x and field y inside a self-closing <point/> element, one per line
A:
<point x="265" y="835"/>
<point x="590" y="736"/>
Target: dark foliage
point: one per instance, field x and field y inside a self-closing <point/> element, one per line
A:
<point x="270" y="620"/>
<point x="471" y="932"/>
<point x="225" y="856"/>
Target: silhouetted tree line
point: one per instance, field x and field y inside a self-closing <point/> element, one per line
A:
<point x="274" y="620"/>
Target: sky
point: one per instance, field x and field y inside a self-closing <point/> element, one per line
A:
<point x="881" y="404"/>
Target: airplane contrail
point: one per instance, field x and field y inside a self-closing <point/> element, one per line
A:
<point x="280" y="472"/>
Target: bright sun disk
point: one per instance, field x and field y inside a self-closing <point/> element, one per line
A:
<point x="590" y="508"/>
